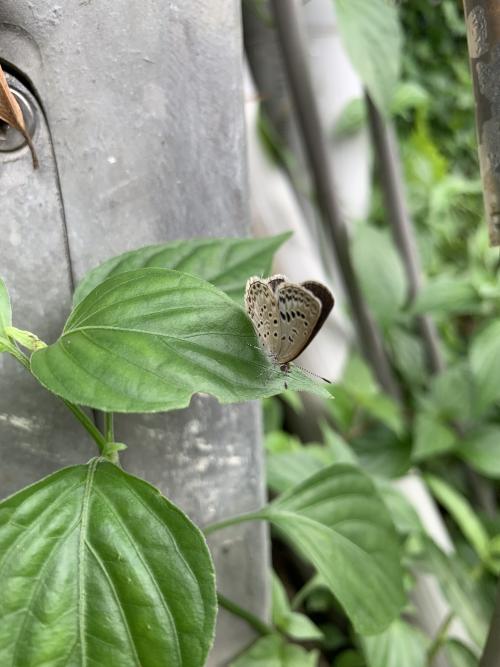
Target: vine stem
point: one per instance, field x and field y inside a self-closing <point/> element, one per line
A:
<point x="233" y="521"/>
<point x="252" y="620"/>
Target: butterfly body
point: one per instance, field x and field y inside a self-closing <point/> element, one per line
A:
<point x="286" y="316"/>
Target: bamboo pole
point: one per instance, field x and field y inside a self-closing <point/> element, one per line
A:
<point x="288" y="24"/>
<point x="483" y="38"/>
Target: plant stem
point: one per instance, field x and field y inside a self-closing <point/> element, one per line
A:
<point x="232" y="521"/>
<point x="440" y="638"/>
<point x="252" y="620"/>
<point x="87" y="424"/>
<point x="109" y="428"/>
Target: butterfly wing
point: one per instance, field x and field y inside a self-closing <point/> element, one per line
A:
<point x="327" y="302"/>
<point x="299" y="313"/>
<point x="262" y="307"/>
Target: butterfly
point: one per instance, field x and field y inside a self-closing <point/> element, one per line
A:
<point x="286" y="316"/>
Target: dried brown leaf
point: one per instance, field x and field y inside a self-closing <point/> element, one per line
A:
<point x="10" y="113"/>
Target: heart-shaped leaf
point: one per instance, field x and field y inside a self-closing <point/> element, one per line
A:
<point x="147" y="340"/>
<point x="337" y="520"/>
<point x="226" y="263"/>
<point x="97" y="568"/>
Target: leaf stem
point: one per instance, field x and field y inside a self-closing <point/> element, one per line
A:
<point x="234" y="520"/>
<point x="87" y="424"/>
<point x="252" y="620"/>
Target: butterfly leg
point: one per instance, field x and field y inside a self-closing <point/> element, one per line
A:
<point x="285" y="368"/>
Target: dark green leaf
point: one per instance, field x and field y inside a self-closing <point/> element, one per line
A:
<point x="482" y="450"/>
<point x="98" y="568"/>
<point x="382" y="453"/>
<point x="337" y="521"/>
<point x="273" y="651"/>
<point x="147" y="340"/>
<point x="401" y="644"/>
<point x="226" y="263"/>
<point x="371" y="35"/>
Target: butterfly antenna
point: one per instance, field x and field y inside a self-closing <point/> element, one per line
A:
<point x="320" y="377"/>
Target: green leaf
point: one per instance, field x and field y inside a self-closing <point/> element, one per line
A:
<point x="485" y="365"/>
<point x="371" y="35"/>
<point x="295" y="625"/>
<point x="381" y="273"/>
<point x="336" y="520"/>
<point x="431" y="437"/>
<point x="401" y="644"/>
<point x="273" y="651"/>
<point x="408" y="355"/>
<point x="5" y="310"/>
<point x="460" y="588"/>
<point x="463" y="514"/>
<point x="147" y="340"/>
<point x="400" y="509"/>
<point x="459" y="655"/>
<point x="381" y="453"/>
<point x="365" y="393"/>
<point x="349" y="658"/>
<point x="226" y="263"/>
<point x="444" y="295"/>
<point x="337" y="446"/>
<point x="481" y="449"/>
<point x="287" y="469"/>
<point x="98" y="568"/>
<point x="452" y="393"/>
<point x="352" y="119"/>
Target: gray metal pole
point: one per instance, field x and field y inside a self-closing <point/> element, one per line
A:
<point x="289" y="28"/>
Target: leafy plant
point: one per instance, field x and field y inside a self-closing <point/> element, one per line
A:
<point x="133" y="575"/>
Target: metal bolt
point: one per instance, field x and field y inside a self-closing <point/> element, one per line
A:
<point x="10" y="139"/>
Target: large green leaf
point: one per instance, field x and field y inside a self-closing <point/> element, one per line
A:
<point x="337" y="521"/>
<point x="371" y="35"/>
<point x="399" y="645"/>
<point x="485" y="365"/>
<point x="98" y="568"/>
<point x="381" y="273"/>
<point x="226" y="263"/>
<point x="5" y="312"/>
<point x="146" y="340"/>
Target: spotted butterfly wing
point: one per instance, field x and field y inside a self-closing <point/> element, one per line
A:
<point x="286" y="316"/>
<point x="262" y="307"/>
